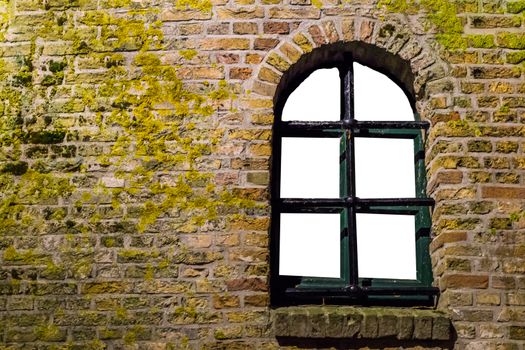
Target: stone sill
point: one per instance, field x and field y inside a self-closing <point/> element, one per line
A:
<point x="360" y="322"/>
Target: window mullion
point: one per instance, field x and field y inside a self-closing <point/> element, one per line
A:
<point x="348" y="116"/>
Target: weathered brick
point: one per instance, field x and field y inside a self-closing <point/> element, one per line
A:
<point x="267" y="74"/>
<point x="487" y="21"/>
<point x="317" y="35"/>
<point x="276" y="27"/>
<point x="265" y="43"/>
<point x="290" y="52"/>
<point x="224" y="44"/>
<point x="240" y="13"/>
<point x="330" y="31"/>
<point x="240" y="73"/>
<point x="303" y="42"/>
<point x="466" y="281"/>
<point x="494" y="72"/>
<point x="503" y="192"/>
<point x="278" y="62"/>
<point x="244" y="28"/>
<point x="294" y="13"/>
<point x="169" y="15"/>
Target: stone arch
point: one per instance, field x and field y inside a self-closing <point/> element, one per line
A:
<point x="371" y="40"/>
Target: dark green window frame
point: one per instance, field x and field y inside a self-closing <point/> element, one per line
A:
<point x="349" y="288"/>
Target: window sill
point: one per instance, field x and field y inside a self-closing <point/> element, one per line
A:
<point x="361" y="322"/>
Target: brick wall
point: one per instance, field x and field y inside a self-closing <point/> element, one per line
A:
<point x="135" y="167"/>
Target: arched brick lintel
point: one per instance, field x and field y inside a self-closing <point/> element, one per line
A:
<point x="385" y="45"/>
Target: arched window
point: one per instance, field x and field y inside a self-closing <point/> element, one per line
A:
<point x="350" y="216"/>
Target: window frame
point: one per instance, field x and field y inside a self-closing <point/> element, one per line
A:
<point x="349" y="288"/>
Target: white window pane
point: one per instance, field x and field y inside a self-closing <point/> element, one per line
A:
<point x="310" y="245"/>
<point x="384" y="168"/>
<point x="386" y="246"/>
<point x="377" y="97"/>
<point x="316" y="99"/>
<point x="310" y="167"/>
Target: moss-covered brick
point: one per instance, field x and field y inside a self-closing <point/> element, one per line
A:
<point x="497" y="163"/>
<point x="278" y="62"/>
<point x="508" y="178"/>
<point x="495" y="72"/>
<point x="231" y="332"/>
<point x="506" y="146"/>
<point x="224" y="44"/>
<point x="290" y="13"/>
<point x="517" y="332"/>
<point x="458" y="224"/>
<point x="134" y="255"/>
<point x="501" y="223"/>
<point x="226" y="301"/>
<point x="105" y="287"/>
<point x="491" y="21"/>
<point x="515" y="6"/>
<point x="50" y="333"/>
<point x="511" y="40"/>
<point x="480" y="41"/>
<point x="46" y="136"/>
<point x="15" y="168"/>
<point x="515" y="57"/>
<point x="479" y="146"/>
<point x="240" y="13"/>
<point x="24" y="257"/>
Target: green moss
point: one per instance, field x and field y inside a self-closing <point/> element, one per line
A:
<point x="57" y="66"/>
<point x="219" y="335"/>
<point x="53" y="271"/>
<point x="481" y="41"/>
<point x="133" y="334"/>
<point x="398" y="5"/>
<point x="511" y="40"/>
<point x="452" y="41"/>
<point x="48" y="80"/>
<point x="108" y="242"/>
<point x="501" y="223"/>
<point x="121" y="313"/>
<point x="442" y="15"/>
<point x="26" y="257"/>
<point x="49" y="332"/>
<point x="200" y="5"/>
<point x="146" y="59"/>
<point x="462" y="128"/>
<point x="150" y="272"/>
<point x="222" y="93"/>
<point x="188" y="54"/>
<point x="517" y="216"/>
<point x="137" y="255"/>
<point x="185" y="311"/>
<point x="160" y="122"/>
<point x="23" y="78"/>
<point x="114" y="60"/>
<point x="515" y="6"/>
<point x="515" y="57"/>
<point x="118" y="3"/>
<point x="95" y="18"/>
<point x="106" y="333"/>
